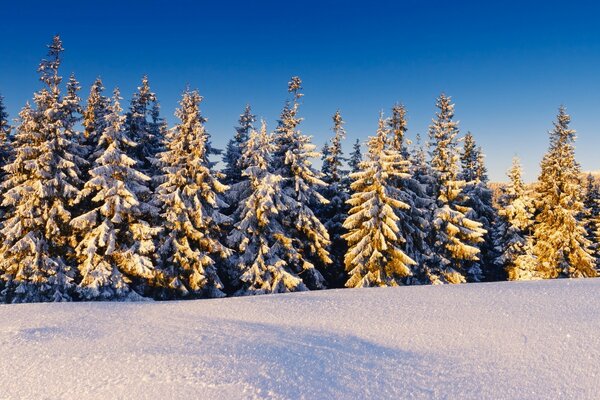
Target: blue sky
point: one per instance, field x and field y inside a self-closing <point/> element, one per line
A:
<point x="508" y="65"/>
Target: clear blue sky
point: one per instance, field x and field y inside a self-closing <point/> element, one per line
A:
<point x="507" y="64"/>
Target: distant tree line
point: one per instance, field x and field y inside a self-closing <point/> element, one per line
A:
<point x="98" y="203"/>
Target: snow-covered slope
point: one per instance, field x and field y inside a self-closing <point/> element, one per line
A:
<point x="534" y="340"/>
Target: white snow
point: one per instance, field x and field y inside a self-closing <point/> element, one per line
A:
<point x="525" y="340"/>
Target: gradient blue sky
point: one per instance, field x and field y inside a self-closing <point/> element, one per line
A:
<point x="508" y="64"/>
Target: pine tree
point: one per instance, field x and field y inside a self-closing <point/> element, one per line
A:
<point x="190" y="200"/>
<point x="479" y="198"/>
<point x="591" y="216"/>
<point x="233" y="169"/>
<point x="115" y="252"/>
<point x="355" y="157"/>
<point x="561" y="246"/>
<point x="375" y="256"/>
<point x="398" y="127"/>
<point x="259" y="234"/>
<point x="309" y="240"/>
<point x="42" y="184"/>
<point x="455" y="237"/>
<point x="5" y="135"/>
<point x="513" y="238"/>
<point x="335" y="212"/>
<point x="422" y="184"/>
<point x="94" y="116"/>
<point x="412" y="221"/>
<point x="138" y="125"/>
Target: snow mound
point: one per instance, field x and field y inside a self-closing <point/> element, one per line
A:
<point x="526" y="340"/>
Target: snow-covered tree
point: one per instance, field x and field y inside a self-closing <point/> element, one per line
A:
<point x="140" y="128"/>
<point x="413" y="221"/>
<point x="561" y="246"/>
<point x="116" y="247"/>
<point x="591" y="216"/>
<point x="513" y="239"/>
<point x="355" y="157"/>
<point x="455" y="237"/>
<point x="335" y="191"/>
<point x="479" y="198"/>
<point x="42" y="183"/>
<point x="190" y="202"/>
<point x="5" y="135"/>
<point x="375" y="256"/>
<point x="94" y="116"/>
<point x="309" y="240"/>
<point x="398" y="127"/>
<point x="233" y="168"/>
<point x="259" y="236"/>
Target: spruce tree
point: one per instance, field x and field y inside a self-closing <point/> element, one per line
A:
<point x="479" y="198"/>
<point x="355" y="157"/>
<point x="259" y="235"/>
<point x="42" y="183"/>
<point x="190" y="202"/>
<point x="561" y="245"/>
<point x="116" y="247"/>
<point x="335" y="212"/>
<point x="233" y="169"/>
<point x="94" y="116"/>
<point x="309" y="240"/>
<point x="139" y="127"/>
<point x="513" y="235"/>
<point x="5" y="135"/>
<point x="455" y="237"/>
<point x="591" y="216"/>
<point x="413" y="221"/>
<point x="375" y="256"/>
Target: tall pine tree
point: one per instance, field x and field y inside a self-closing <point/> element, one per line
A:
<point x="413" y="221"/>
<point x="561" y="245"/>
<point x="309" y="240"/>
<point x="259" y="234"/>
<point x="375" y="256"/>
<point x="513" y="235"/>
<point x="141" y="129"/>
<point x="233" y="154"/>
<point x="115" y="252"/>
<point x="455" y="237"/>
<point x="479" y="198"/>
<point x="42" y="183"/>
<point x="335" y="212"/>
<point x="190" y="200"/>
<point x="591" y="216"/>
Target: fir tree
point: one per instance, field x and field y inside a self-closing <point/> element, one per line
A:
<point x="94" y="116"/>
<point x="140" y="129"/>
<point x="233" y="168"/>
<point x="561" y="246"/>
<point x="479" y="198"/>
<point x="375" y="256"/>
<point x="335" y="191"/>
<point x="115" y="252"/>
<point x="513" y="238"/>
<point x="5" y="135"/>
<point x="455" y="237"/>
<point x="42" y="184"/>
<point x="355" y="157"/>
<point x="412" y="221"/>
<point x="190" y="199"/>
<point x="591" y="216"/>
<point x="309" y="240"/>
<point x="259" y="234"/>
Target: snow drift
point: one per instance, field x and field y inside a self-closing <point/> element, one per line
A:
<point x="526" y="340"/>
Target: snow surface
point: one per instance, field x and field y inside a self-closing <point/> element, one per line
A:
<point x="525" y="340"/>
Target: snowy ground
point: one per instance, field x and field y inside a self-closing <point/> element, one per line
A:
<point x="536" y="340"/>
